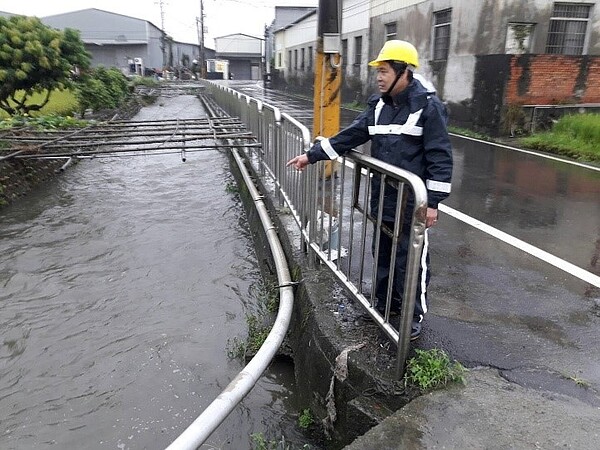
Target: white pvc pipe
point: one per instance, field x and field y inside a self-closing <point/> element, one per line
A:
<point x="221" y="407"/>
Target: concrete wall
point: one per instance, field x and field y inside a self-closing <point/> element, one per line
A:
<point x="302" y="35"/>
<point x="244" y="54"/>
<point x="179" y="49"/>
<point x="503" y="82"/>
<point x="347" y="406"/>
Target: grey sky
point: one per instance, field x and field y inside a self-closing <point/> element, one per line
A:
<point x="222" y="17"/>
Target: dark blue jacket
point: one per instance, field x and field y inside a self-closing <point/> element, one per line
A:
<point x="410" y="133"/>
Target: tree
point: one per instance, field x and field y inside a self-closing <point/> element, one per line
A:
<point x="101" y="89"/>
<point x="36" y="58"/>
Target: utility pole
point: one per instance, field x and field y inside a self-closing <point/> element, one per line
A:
<point x="163" y="39"/>
<point x="328" y="72"/>
<point x="200" y="27"/>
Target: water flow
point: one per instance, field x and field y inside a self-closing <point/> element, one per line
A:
<point x="121" y="283"/>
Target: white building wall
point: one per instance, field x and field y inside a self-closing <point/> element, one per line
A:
<point x="355" y="16"/>
<point x="355" y="22"/>
<point x="302" y="33"/>
<point x="280" y="50"/>
<point x="238" y="44"/>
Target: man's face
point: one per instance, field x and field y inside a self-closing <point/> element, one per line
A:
<point x="386" y="76"/>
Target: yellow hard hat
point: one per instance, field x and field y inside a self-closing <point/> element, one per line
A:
<point x="396" y="50"/>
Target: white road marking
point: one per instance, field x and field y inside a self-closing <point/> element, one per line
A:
<point x="557" y="262"/>
<point x="531" y="152"/>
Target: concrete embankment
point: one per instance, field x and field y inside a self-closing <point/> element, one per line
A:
<point x="343" y="364"/>
<point x="20" y="176"/>
<point x="17" y="177"/>
<point x="346" y="369"/>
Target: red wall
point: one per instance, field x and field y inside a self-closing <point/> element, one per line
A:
<point x="553" y="79"/>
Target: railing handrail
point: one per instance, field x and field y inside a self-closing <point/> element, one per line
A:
<point x="300" y="195"/>
<point x="284" y="138"/>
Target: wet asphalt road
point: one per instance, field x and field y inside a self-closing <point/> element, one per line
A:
<point x="491" y="303"/>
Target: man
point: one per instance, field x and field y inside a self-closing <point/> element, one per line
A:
<point x="417" y="141"/>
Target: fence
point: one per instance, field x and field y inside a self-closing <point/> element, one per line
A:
<point x="332" y="211"/>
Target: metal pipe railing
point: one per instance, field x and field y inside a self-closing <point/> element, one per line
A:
<point x="320" y="204"/>
<point x="240" y="386"/>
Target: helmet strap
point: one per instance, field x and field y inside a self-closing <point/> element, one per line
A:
<point x="389" y="91"/>
<point x="399" y="68"/>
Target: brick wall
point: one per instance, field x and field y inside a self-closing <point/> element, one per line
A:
<point x="592" y="93"/>
<point x="553" y="79"/>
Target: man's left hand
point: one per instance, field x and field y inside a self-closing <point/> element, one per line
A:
<point x="432" y="217"/>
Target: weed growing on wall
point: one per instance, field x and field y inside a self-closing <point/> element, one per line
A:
<point x="431" y="369"/>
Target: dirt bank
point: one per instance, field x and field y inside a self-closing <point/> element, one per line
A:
<point x="20" y="176"/>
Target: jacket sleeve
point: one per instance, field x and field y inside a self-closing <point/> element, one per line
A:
<point x="438" y="153"/>
<point x="355" y="134"/>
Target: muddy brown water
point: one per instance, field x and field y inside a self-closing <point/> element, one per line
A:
<point x="122" y="283"/>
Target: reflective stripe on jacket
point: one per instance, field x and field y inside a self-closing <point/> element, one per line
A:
<point x="409" y="132"/>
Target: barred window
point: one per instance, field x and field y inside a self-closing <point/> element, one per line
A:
<point x="357" y="54"/>
<point x="310" y="58"/>
<point x="441" y="34"/>
<point x="390" y="31"/>
<point x="568" y="28"/>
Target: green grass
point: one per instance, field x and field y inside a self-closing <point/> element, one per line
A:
<point x="257" y="333"/>
<point x="431" y="369"/>
<point x="469" y="133"/>
<point x="61" y="103"/>
<point x="306" y="419"/>
<point x="575" y="136"/>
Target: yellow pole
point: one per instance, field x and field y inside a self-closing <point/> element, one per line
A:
<point x="328" y="82"/>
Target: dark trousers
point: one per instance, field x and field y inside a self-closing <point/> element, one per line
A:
<point x="383" y="271"/>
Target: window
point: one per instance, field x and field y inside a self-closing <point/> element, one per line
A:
<point x="302" y="57"/>
<point x="295" y="59"/>
<point x="568" y="27"/>
<point x="357" y="55"/>
<point x="518" y="37"/>
<point x="310" y="58"/>
<point x="344" y="55"/>
<point x="441" y="34"/>
<point x="390" y="31"/>
<point x="279" y="60"/>
<point x="289" y="61"/>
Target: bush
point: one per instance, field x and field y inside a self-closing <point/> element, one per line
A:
<point x="101" y="89"/>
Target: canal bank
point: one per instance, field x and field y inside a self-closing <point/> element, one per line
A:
<point x="346" y="369"/>
<point x="19" y="176"/>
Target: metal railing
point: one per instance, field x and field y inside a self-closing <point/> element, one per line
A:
<point x="331" y="208"/>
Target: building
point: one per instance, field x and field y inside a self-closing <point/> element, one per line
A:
<point x="244" y="54"/>
<point x="284" y="16"/>
<point x="493" y="62"/>
<point x="295" y="46"/>
<point x="129" y="43"/>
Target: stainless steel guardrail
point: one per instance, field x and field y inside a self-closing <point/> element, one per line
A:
<point x="332" y="208"/>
